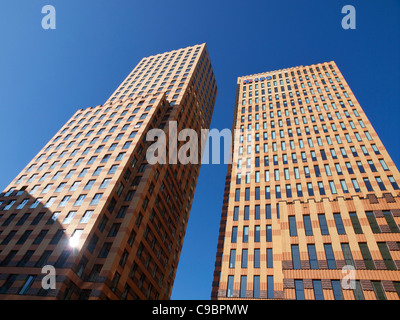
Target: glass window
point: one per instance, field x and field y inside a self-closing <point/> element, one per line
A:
<point x="330" y="256"/>
<point x="339" y="223"/>
<point x="318" y="293"/>
<point x="356" y="223"/>
<point x="292" y="226"/>
<point x="323" y="225"/>
<point x="296" y="256"/>
<point x="232" y="258"/>
<point x="299" y="289"/>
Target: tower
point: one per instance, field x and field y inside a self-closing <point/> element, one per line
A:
<point x="311" y="206"/>
<point x="90" y="209"/>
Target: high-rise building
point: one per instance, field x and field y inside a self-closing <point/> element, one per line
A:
<point x="91" y="209"/>
<point x="312" y="205"/>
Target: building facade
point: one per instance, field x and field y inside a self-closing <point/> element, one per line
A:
<point x="312" y="204"/>
<point x="89" y="208"/>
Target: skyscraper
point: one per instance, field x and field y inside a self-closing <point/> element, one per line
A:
<point x="311" y="206"/>
<point x="91" y="210"/>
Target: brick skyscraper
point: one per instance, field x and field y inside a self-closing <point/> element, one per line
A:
<point x="91" y="206"/>
<point x="321" y="193"/>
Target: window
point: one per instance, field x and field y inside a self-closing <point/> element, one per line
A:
<point x="269" y="233"/>
<point x="64" y="201"/>
<point x="380" y="183"/>
<point x="257" y="212"/>
<point x="80" y="199"/>
<point x="380" y="294"/>
<point x="369" y="263"/>
<point x="299" y="289"/>
<point x="86" y="216"/>
<point x="390" y="221"/>
<point x="368" y="184"/>
<point x="229" y="291"/>
<point x="296" y="256"/>
<point x="236" y="214"/>
<point x="339" y="223"/>
<point x="356" y="223"/>
<point x="256" y="287"/>
<point x="330" y="256"/>
<point x="96" y="199"/>
<point x="97" y="171"/>
<point x="244" y="258"/>
<point x="247" y="194"/>
<point x="256" y="258"/>
<point x="318" y="293"/>
<point x="113" y="169"/>
<point x="243" y="286"/>
<point x="105" y="183"/>
<point x="312" y="255"/>
<point x="89" y="185"/>
<point x="337" y="290"/>
<point x="310" y="189"/>
<point x="232" y="258"/>
<point x="69" y="217"/>
<point x="393" y="182"/>
<point x="355" y="185"/>
<point x="372" y="222"/>
<point x="323" y="225"/>
<point x="292" y="226"/>
<point x="344" y="186"/>
<point x="234" y="235"/>
<point x="28" y="283"/>
<point x="245" y="234"/>
<point x="256" y="233"/>
<point x="387" y="258"/>
<point x="321" y="188"/>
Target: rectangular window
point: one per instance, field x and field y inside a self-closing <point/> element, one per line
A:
<point x="244" y="258"/>
<point x="323" y="225"/>
<point x="356" y="223"/>
<point x="330" y="256"/>
<point x="256" y="233"/>
<point x="243" y="286"/>
<point x="339" y="223"/>
<point x="234" y="235"/>
<point x="229" y="290"/>
<point x="299" y="289"/>
<point x="292" y="226"/>
<point x="270" y="287"/>
<point x="256" y="258"/>
<point x="337" y="290"/>
<point x="268" y="211"/>
<point x="296" y="256"/>
<point x="307" y="225"/>
<point x="232" y="258"/>
<point x="269" y="233"/>
<point x="378" y="289"/>
<point x="372" y="222"/>
<point x="245" y="234"/>
<point x="312" y="255"/>
<point x="318" y="293"/>
<point x="390" y="221"/>
<point x="387" y="258"/>
<point x="256" y="287"/>
<point x="369" y="263"/>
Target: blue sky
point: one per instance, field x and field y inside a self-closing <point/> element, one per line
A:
<point x="45" y="75"/>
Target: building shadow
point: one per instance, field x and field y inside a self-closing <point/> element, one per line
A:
<point x="35" y="253"/>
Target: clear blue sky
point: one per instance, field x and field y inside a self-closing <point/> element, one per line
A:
<point x="45" y="75"/>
